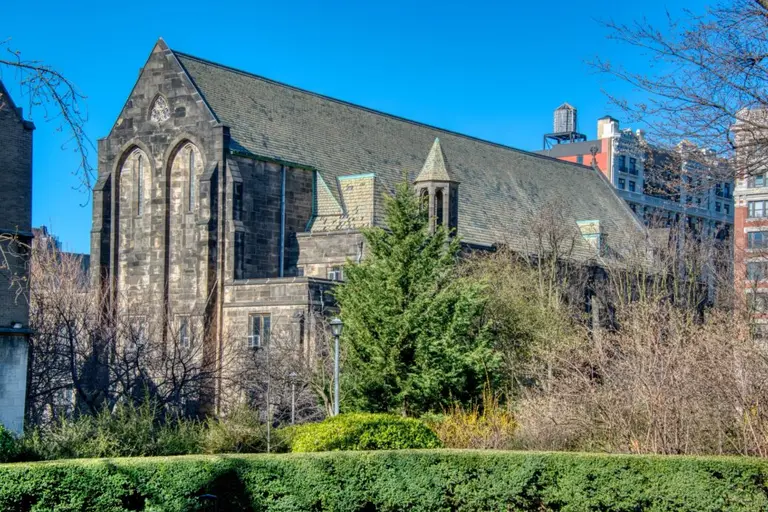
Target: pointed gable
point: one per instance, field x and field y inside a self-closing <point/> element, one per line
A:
<point x="435" y="166"/>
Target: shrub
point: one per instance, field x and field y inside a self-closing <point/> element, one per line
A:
<point x="128" y="430"/>
<point x="400" y="480"/>
<point x="491" y="426"/>
<point x="361" y="432"/>
<point x="8" y="445"/>
<point x="240" y="432"/>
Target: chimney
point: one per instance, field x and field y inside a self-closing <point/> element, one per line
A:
<point x="607" y="127"/>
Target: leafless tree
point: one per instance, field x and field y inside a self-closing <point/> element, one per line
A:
<point x="50" y="92"/>
<point x="707" y="75"/>
<point x="83" y="358"/>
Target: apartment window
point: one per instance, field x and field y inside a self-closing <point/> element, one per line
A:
<point x="185" y="340"/>
<point x="258" y="335"/>
<point x="756" y="209"/>
<point x="718" y="206"/>
<point x="727" y="208"/>
<point x="758" y="302"/>
<point x="239" y="254"/>
<point x="632" y="166"/>
<point x="622" y="163"/>
<point x="631" y="186"/>
<point x="191" y="179"/>
<point x="237" y="200"/>
<point x="622" y="182"/>
<point x="727" y="189"/>
<point x="140" y="185"/>
<point x="758" y="181"/>
<point x="757" y="270"/>
<point x="757" y="240"/>
<point x="335" y="273"/>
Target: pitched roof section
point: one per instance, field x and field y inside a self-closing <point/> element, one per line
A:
<point x="502" y="189"/>
<point x="435" y="167"/>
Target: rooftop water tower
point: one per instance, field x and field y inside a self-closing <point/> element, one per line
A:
<point x="565" y="127"/>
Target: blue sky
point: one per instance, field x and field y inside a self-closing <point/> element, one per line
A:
<point x="494" y="70"/>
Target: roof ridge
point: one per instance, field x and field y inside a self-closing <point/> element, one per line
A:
<point x="372" y="110"/>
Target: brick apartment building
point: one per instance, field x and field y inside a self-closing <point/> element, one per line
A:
<point x="661" y="187"/>
<point x="15" y="235"/>
<point x="751" y="217"/>
<point x="231" y="202"/>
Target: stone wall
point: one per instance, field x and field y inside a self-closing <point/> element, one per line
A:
<point x="13" y="381"/>
<point x="165" y="251"/>
<point x="262" y="215"/>
<point x="321" y="251"/>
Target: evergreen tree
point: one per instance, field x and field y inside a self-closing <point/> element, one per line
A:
<point x="412" y="338"/>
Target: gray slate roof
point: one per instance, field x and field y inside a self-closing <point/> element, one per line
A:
<point x="501" y="189"/>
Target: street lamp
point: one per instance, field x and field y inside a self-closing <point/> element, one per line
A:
<point x="292" y="377"/>
<point x="336" y="327"/>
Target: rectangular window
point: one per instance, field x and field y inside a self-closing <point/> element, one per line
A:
<point x="621" y="183"/>
<point x="727" y="188"/>
<point x="756" y="209"/>
<point x="758" y="302"/>
<point x="727" y="208"/>
<point x="239" y="254"/>
<point x="622" y="163"/>
<point x="757" y="240"/>
<point x="759" y="180"/>
<point x="185" y="340"/>
<point x="757" y="270"/>
<point x="631" y="186"/>
<point x="335" y="273"/>
<point x="717" y="206"/>
<point x="237" y="200"/>
<point x="632" y="166"/>
<point x="259" y="330"/>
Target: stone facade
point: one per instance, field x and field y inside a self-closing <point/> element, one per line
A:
<point x="235" y="200"/>
<point x="16" y="234"/>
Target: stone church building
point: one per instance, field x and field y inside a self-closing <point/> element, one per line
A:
<point x="230" y="202"/>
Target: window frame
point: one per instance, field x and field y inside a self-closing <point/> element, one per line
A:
<point x="237" y="200"/>
<point x="335" y="273"/>
<point x="632" y="186"/>
<point x="752" y="209"/>
<point x="139" y="174"/>
<point x="757" y="240"/>
<point x="239" y="255"/>
<point x="184" y="332"/>
<point x="259" y="330"/>
<point x="621" y="183"/>
<point x="191" y="189"/>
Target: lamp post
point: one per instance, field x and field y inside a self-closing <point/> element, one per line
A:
<point x="292" y="377"/>
<point x="336" y="326"/>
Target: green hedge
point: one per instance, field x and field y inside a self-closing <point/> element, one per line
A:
<point x="360" y="431"/>
<point x="426" y="480"/>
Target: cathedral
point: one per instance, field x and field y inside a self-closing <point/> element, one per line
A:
<point x="230" y="202"/>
